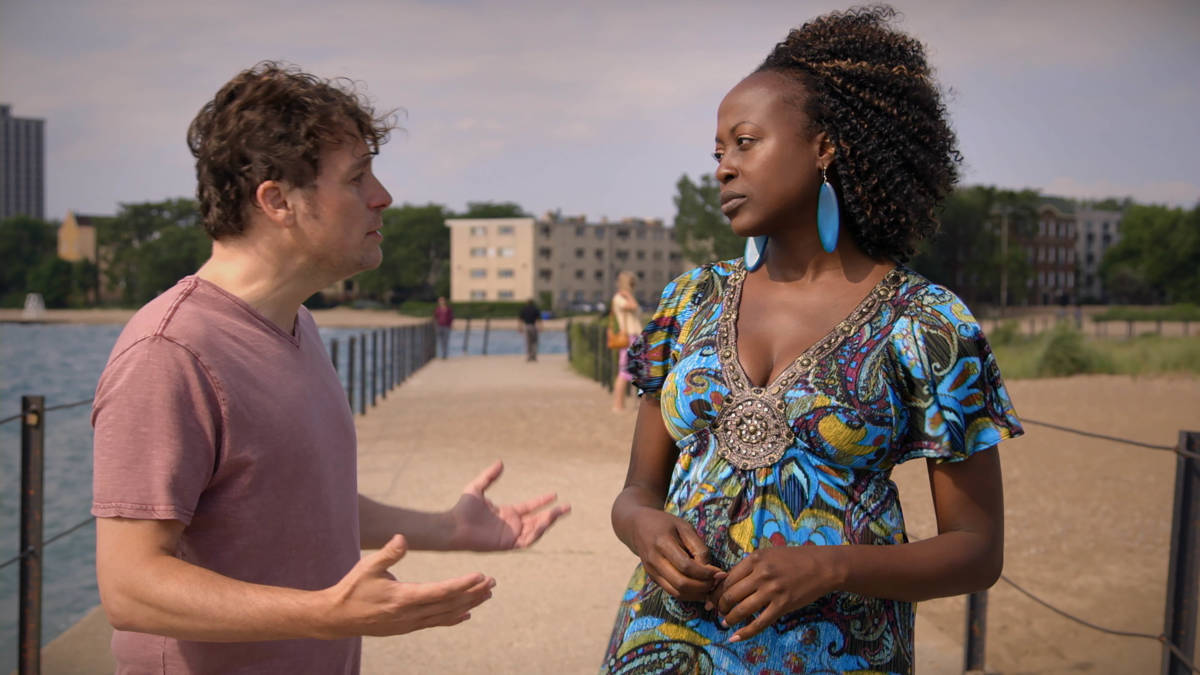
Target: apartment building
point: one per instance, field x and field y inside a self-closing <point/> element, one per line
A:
<point x="22" y="166"/>
<point x="567" y="262"/>
<point x="1052" y="255"/>
<point x="1099" y="231"/>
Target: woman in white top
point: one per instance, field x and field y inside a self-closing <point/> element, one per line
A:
<point x="625" y="310"/>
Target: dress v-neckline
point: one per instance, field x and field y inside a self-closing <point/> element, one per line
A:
<point x="727" y="336"/>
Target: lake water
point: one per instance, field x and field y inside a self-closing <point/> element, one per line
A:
<point x="62" y="362"/>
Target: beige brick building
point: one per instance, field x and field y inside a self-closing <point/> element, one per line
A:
<point x="567" y="261"/>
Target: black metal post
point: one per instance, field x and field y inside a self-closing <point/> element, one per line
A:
<point x="374" y="363"/>
<point x="487" y="328"/>
<point x="1183" y="572"/>
<point x="568" y="339"/>
<point x="974" y="649"/>
<point x="467" y="335"/>
<point x="362" y="381"/>
<point x="385" y="369"/>
<point x="33" y="431"/>
<point x="396" y="355"/>
<point x="350" y="374"/>
<point x="333" y="353"/>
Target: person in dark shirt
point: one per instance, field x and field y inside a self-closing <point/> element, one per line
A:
<point x="530" y="316"/>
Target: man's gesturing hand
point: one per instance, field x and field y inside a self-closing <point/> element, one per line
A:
<point x="480" y="525"/>
<point x="369" y="600"/>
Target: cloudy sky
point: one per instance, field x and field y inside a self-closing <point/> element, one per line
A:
<point x="597" y="108"/>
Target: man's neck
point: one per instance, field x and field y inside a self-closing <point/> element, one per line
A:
<point x="263" y="280"/>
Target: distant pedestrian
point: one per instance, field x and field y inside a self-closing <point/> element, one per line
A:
<point x="443" y="319"/>
<point x="626" y="323"/>
<point x="530" y="316"/>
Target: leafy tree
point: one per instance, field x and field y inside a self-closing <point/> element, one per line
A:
<point x="701" y="230"/>
<point x="416" y="255"/>
<point x="966" y="255"/>
<point x="24" y="243"/>
<point x="149" y="246"/>
<point x="1155" y="261"/>
<point x="493" y="210"/>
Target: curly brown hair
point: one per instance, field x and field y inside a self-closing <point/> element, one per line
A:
<point x="271" y="122"/>
<point x="870" y="89"/>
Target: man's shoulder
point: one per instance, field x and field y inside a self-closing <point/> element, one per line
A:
<point x="184" y="310"/>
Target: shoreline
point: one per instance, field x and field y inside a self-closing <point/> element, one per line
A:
<point x="337" y="317"/>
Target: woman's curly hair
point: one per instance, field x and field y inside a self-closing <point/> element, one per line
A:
<point x="871" y="91"/>
<point x="271" y="122"/>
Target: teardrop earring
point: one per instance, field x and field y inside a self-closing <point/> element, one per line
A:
<point x="753" y="257"/>
<point x="828" y="219"/>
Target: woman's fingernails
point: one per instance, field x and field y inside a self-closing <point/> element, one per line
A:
<point x="708" y="606"/>
<point x="735" y="638"/>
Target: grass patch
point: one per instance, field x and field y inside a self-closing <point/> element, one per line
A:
<point x="1064" y="351"/>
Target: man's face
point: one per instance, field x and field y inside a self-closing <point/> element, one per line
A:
<point x="339" y="219"/>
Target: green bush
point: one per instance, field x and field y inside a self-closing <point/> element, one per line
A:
<point x="1006" y="333"/>
<point x="1068" y="353"/>
<point x="587" y="345"/>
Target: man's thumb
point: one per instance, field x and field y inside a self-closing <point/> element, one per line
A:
<point x="391" y="553"/>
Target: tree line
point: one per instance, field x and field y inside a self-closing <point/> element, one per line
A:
<point x="1154" y="261"/>
<point x="146" y="247"/>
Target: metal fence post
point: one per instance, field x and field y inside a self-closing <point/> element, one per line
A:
<point x="1183" y="571"/>
<point x="487" y="328"/>
<point x="362" y="381"/>
<point x="350" y="373"/>
<point x="333" y="353"/>
<point x="385" y="370"/>
<point x="33" y="429"/>
<point x="974" y="648"/>
<point x="374" y="363"/>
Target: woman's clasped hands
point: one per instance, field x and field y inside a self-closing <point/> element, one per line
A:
<point x="757" y="591"/>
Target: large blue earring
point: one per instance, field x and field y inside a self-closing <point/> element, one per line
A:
<point x="753" y="257"/>
<point x="828" y="220"/>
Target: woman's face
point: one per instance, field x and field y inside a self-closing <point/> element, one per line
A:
<point x="768" y="162"/>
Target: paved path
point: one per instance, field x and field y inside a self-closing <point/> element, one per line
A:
<point x="554" y="604"/>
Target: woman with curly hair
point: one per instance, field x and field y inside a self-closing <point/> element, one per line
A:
<point x="780" y="389"/>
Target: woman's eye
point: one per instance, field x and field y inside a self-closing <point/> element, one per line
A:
<point x="744" y="140"/>
<point x="717" y="156"/>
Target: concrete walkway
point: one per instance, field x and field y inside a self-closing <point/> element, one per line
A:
<point x="554" y="604"/>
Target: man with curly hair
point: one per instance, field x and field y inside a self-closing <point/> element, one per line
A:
<point x="229" y="524"/>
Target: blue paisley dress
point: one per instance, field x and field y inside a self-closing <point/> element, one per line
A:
<point x="805" y="460"/>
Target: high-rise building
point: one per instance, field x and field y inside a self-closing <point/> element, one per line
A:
<point x="22" y="166"/>
<point x="565" y="262"/>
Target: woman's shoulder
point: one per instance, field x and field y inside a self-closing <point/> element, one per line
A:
<point x="931" y="304"/>
<point x="703" y="282"/>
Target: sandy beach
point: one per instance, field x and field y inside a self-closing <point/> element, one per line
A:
<point x="1088" y="522"/>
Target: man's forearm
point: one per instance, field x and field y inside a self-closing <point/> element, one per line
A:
<point x="424" y="530"/>
<point x="167" y="596"/>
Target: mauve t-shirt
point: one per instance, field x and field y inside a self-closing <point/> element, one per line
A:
<point x="209" y="414"/>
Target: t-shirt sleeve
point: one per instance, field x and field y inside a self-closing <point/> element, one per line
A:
<point x="157" y="420"/>
<point x="655" y="351"/>
<point x="956" y="402"/>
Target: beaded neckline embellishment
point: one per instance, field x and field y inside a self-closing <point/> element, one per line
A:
<point x="752" y="430"/>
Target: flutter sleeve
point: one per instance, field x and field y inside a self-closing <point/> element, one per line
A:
<point x="655" y="351"/>
<point x="950" y="384"/>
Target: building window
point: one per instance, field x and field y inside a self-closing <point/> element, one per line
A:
<point x="598" y="296"/>
<point x="504" y="229"/>
<point x="544" y="273"/>
<point x="598" y="275"/>
<point x="505" y="295"/>
<point x="579" y="296"/>
<point x="507" y="252"/>
<point x="478" y="273"/>
<point x="479" y="295"/>
<point x="479" y="252"/>
<point x="657" y="255"/>
<point x="675" y="256"/>
<point x="544" y="253"/>
<point x="622" y="254"/>
<point x="622" y="233"/>
<point x="505" y="273"/>
<point x="546" y="231"/>
<point x="599" y="232"/>
<point x="578" y="274"/>
<point x="478" y="230"/>
<point x="579" y="253"/>
<point x="641" y="233"/>
<point x="641" y="255"/>
<point x="641" y="275"/>
<point x="599" y="254"/>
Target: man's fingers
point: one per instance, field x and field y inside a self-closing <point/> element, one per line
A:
<point x="484" y="479"/>
<point x="446" y="590"/>
<point x="535" y="527"/>
<point x="534" y="504"/>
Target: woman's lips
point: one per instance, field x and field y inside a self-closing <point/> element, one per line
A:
<point x="731" y="203"/>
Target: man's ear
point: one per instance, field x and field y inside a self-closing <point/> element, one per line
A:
<point x="272" y="199"/>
